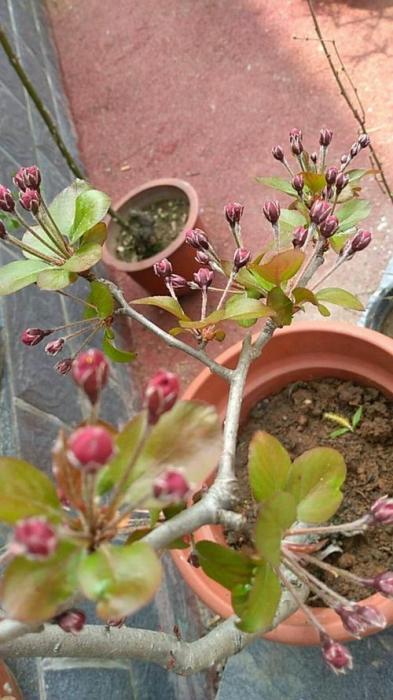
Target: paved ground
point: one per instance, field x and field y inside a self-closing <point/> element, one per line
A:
<point x="202" y="90"/>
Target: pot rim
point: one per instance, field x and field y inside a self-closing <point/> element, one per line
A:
<point x="191" y="194"/>
<point x="295" y="629"/>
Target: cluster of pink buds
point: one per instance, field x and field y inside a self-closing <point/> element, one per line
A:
<point x="90" y="448"/>
<point x="28" y="178"/>
<point x="34" y="538"/>
<point x="71" y="621"/>
<point x="161" y="394"/>
<point x="164" y="270"/>
<point x="172" y="486"/>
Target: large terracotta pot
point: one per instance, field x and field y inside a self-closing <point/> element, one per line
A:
<point x="178" y="252"/>
<point x="303" y="351"/>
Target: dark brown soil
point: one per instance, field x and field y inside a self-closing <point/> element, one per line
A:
<point x="152" y="228"/>
<point x="295" y="417"/>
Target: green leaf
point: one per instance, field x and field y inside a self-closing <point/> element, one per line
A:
<point x="127" y="443"/>
<point x="115" y="353"/>
<point x="120" y="579"/>
<point x="102" y="299"/>
<point x="339" y="432"/>
<point x="238" y="308"/>
<point x="268" y="465"/>
<point x="84" y="258"/>
<point x="10" y="222"/>
<point x="323" y="310"/>
<point x="55" y="278"/>
<point x="359" y="173"/>
<point x="352" y="212"/>
<point x="339" y="240"/>
<point x="249" y="278"/>
<point x="166" y="303"/>
<point x="291" y="219"/>
<point x="90" y="208"/>
<point x="224" y="565"/>
<point x="315" y="182"/>
<point x="97" y="234"/>
<point x="25" y="491"/>
<point x="257" y="606"/>
<point x="63" y="206"/>
<point x="34" y="243"/>
<point x="282" y="266"/>
<point x="275" y="517"/>
<point x="19" y="274"/>
<point x="32" y="591"/>
<point x="340" y="297"/>
<point x="282" y="305"/>
<point x="277" y="183"/>
<point x="357" y="417"/>
<point x="315" y="481"/>
<point x="302" y="295"/>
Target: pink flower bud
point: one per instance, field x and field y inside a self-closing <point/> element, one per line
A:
<point x="35" y="538"/>
<point x="64" y="366"/>
<point x="54" y="347"/>
<point x="319" y="211"/>
<point x="328" y="227"/>
<point x="161" y="394"/>
<point x="299" y="237"/>
<point x="233" y="213"/>
<point x="3" y="231"/>
<point x="364" y="140"/>
<point x="171" y="485"/>
<point x="325" y="137"/>
<point x="33" y="336"/>
<point x="383" y="583"/>
<point x="7" y="202"/>
<point x="295" y="134"/>
<point x="71" y="620"/>
<point x="381" y="512"/>
<point x="202" y="258"/>
<point x="204" y="277"/>
<point x="197" y="239"/>
<point x="314" y="157"/>
<point x="336" y="655"/>
<point x="272" y="211"/>
<point x="357" y="619"/>
<point x="371" y="616"/>
<point x="241" y="258"/>
<point x="163" y="268"/>
<point x="90" y="447"/>
<point x="28" y="178"/>
<point x="298" y="183"/>
<point x="341" y="181"/>
<point x="177" y="281"/>
<point x="345" y="159"/>
<point x="295" y="139"/>
<point x="331" y="175"/>
<point x="278" y="153"/>
<point x="19" y="179"/>
<point x="30" y="200"/>
<point x="355" y="149"/>
<point x="90" y="371"/>
<point x="360" y="240"/>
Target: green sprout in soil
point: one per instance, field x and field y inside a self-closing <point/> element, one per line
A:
<point x="347" y="426"/>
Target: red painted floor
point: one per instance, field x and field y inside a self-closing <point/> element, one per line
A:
<point x="202" y="89"/>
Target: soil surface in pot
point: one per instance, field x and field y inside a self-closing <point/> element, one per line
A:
<point x="387" y="326"/>
<point x="152" y="228"/>
<point x="295" y="417"/>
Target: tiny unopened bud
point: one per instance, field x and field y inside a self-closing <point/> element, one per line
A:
<point x="360" y="241"/>
<point x="202" y="258"/>
<point x="328" y="227"/>
<point x="90" y="371"/>
<point x="28" y="178"/>
<point x="337" y="656"/>
<point x="3" y="231"/>
<point x="203" y="277"/>
<point x="381" y="512"/>
<point x="71" y="620"/>
<point x="331" y="175"/>
<point x="7" y="202"/>
<point x="272" y="211"/>
<point x="371" y="616"/>
<point x="193" y="560"/>
<point x="163" y="268"/>
<point x="325" y="137"/>
<point x="54" y="347"/>
<point x="30" y="200"/>
<point x="35" y="538"/>
<point x="364" y="140"/>
<point x="64" y="366"/>
<point x="295" y="134"/>
<point x="319" y="211"/>
<point x="161" y="394"/>
<point x="177" y="281"/>
<point x="341" y="181"/>
<point x="241" y="258"/>
<point x="355" y="149"/>
<point x="278" y="153"/>
<point x="33" y="336"/>
<point x="299" y="237"/>
<point x="314" y="157"/>
<point x="383" y="583"/>
<point x="357" y="619"/>
<point x="345" y="159"/>
<point x="298" y="183"/>
<point x="233" y="213"/>
<point x="19" y="179"/>
<point x="197" y="239"/>
<point x="90" y="448"/>
<point x="295" y="139"/>
<point x="172" y="485"/>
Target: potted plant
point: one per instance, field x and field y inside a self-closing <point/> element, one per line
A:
<point x="119" y="496"/>
<point x="158" y="215"/>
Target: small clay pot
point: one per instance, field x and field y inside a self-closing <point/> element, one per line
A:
<point x="180" y="254"/>
<point x="302" y="352"/>
<point x="9" y="688"/>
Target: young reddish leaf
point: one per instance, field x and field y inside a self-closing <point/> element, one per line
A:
<point x="257" y="605"/>
<point x="315" y="481"/>
<point x="277" y="183"/>
<point x="90" y="208"/>
<point x="32" y="591"/>
<point x="121" y="579"/>
<point x="352" y="212"/>
<point x="282" y="266"/>
<point x="25" y="491"/>
<point x="224" y="565"/>
<point x="302" y="295"/>
<point x="275" y="517"/>
<point x="115" y="353"/>
<point x="55" y="278"/>
<point x="340" y="297"/>
<point x="102" y="299"/>
<point x="84" y="258"/>
<point x="268" y="466"/>
<point x="282" y="305"/>
<point x="166" y="303"/>
<point x="19" y="274"/>
<point x="127" y="444"/>
<point x="314" y="181"/>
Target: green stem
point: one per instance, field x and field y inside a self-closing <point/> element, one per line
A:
<point x="36" y="235"/>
